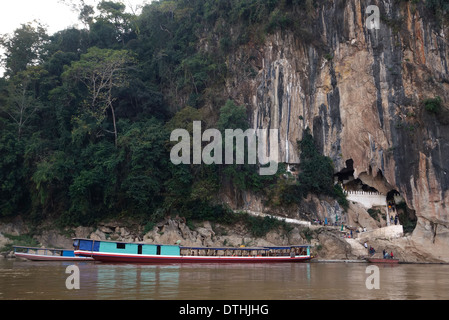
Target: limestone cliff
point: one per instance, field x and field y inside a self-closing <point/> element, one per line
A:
<point x="361" y="93"/>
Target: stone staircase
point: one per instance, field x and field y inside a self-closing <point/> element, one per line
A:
<point x="288" y="220"/>
<point x="389" y="232"/>
<point x="357" y="248"/>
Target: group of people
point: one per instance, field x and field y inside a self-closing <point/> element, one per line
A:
<point x="325" y="222"/>
<point x="391" y="210"/>
<point x="394" y="220"/>
<point x="385" y="254"/>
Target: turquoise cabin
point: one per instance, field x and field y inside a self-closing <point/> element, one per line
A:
<point x="126" y="248"/>
<point x="116" y="251"/>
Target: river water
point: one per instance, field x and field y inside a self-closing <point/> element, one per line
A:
<point x="28" y="280"/>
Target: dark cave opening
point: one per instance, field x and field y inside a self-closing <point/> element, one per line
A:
<point x="406" y="216"/>
<point x="345" y="177"/>
<point x="396" y="204"/>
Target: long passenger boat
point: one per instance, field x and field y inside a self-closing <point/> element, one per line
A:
<point x="112" y="251"/>
<point x="47" y="254"/>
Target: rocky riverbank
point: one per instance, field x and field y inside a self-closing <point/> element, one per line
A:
<point x="328" y="242"/>
<point x="169" y="231"/>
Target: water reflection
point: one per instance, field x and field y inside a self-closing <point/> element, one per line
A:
<point x="134" y="281"/>
<point x="46" y="280"/>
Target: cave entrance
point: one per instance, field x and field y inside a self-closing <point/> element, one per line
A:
<point x="399" y="212"/>
<point x="382" y="198"/>
<point x="346" y="174"/>
<point x="346" y="178"/>
<point x="394" y="197"/>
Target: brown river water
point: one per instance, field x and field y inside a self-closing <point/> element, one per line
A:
<point x="27" y="280"/>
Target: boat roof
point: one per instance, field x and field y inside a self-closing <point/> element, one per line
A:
<point x="243" y="248"/>
<point x="205" y="248"/>
<point x="38" y="248"/>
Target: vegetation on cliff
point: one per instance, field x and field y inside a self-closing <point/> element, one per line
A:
<point x="85" y="114"/>
<point x="316" y="175"/>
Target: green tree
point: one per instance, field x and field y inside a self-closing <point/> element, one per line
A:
<point x="12" y="172"/>
<point x="244" y="176"/>
<point x="24" y="48"/>
<point x="433" y="105"/>
<point x="178" y="186"/>
<point x="144" y="168"/>
<point x="51" y="179"/>
<point x="22" y="102"/>
<point x="96" y="180"/>
<point x="232" y="117"/>
<point x="114" y="12"/>
<point x="316" y="171"/>
<point x="101" y="71"/>
<point x="85" y="11"/>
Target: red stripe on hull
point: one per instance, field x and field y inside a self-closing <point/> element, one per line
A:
<point x="188" y="259"/>
<point x="36" y="257"/>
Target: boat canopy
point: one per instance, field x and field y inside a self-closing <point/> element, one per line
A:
<point x="225" y="248"/>
<point x="86" y="244"/>
<point x="245" y="248"/>
<point x="44" y="251"/>
<point x="95" y="245"/>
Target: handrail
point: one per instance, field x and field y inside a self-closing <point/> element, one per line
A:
<point x="197" y="247"/>
<point x="246" y="248"/>
<point x="36" y="248"/>
<point x="359" y="192"/>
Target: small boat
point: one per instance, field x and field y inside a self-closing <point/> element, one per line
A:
<point x="381" y="260"/>
<point x="47" y="254"/>
<point x="111" y="251"/>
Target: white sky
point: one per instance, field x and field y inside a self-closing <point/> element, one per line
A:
<point x="55" y="15"/>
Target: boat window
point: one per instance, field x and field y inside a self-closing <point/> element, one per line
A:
<point x="158" y="250"/>
<point x="139" y="249"/>
<point x="121" y="246"/>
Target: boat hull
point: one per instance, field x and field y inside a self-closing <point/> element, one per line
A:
<point x="41" y="257"/>
<point x="150" y="259"/>
<point x="387" y="261"/>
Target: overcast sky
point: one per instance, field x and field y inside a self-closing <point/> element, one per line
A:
<point x="53" y="13"/>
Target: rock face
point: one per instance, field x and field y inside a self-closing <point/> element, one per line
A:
<point x="172" y="231"/>
<point x="361" y="93"/>
<point x="327" y="241"/>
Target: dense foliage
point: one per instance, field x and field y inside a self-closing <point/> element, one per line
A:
<point x="86" y="114"/>
<point x="315" y="176"/>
